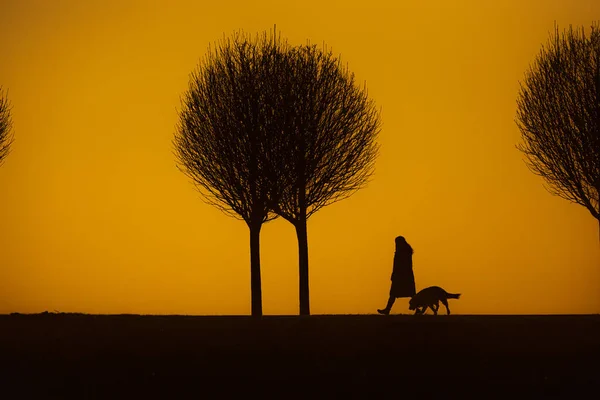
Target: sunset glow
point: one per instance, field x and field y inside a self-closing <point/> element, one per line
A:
<point x="97" y="218"/>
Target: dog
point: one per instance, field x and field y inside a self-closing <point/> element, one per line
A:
<point x="430" y="297"/>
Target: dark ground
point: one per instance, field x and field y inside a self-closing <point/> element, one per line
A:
<point x="341" y="356"/>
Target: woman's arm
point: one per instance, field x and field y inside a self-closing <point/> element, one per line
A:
<point x="395" y="266"/>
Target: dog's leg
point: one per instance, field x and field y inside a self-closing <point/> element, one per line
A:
<point x="445" y="302"/>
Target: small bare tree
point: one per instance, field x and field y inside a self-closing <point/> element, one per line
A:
<point x="558" y="114"/>
<point x="329" y="139"/>
<point x="226" y="139"/>
<point x="6" y="137"/>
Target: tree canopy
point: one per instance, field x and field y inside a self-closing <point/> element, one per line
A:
<point x="558" y="114"/>
<point x="6" y="137"/>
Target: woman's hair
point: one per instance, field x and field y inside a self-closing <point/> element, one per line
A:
<point x="402" y="245"/>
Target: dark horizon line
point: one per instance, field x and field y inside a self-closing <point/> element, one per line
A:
<point x="44" y="313"/>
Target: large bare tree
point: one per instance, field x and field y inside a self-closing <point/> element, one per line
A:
<point x="558" y="114"/>
<point x="329" y="139"/>
<point x="6" y="137"/>
<point x="226" y="140"/>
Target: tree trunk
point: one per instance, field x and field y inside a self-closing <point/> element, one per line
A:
<point x="301" y="233"/>
<point x="300" y="226"/>
<point x="255" y="283"/>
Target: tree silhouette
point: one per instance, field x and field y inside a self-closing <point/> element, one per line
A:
<point x="329" y="138"/>
<point x="558" y="114"/>
<point x="6" y="137"/>
<point x="226" y="139"/>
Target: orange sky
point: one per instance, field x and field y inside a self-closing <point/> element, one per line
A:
<point x="97" y="219"/>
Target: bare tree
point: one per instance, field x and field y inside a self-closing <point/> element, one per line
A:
<point x="226" y="141"/>
<point x="558" y="114"/>
<point x="6" y="137"/>
<point x="329" y="139"/>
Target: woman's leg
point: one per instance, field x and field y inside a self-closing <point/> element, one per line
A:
<point x="387" y="308"/>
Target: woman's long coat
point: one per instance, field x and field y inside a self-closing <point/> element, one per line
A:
<point x="403" y="279"/>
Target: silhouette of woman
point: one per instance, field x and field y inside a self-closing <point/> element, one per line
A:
<point x="403" y="279"/>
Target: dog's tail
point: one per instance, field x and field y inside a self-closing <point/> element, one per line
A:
<point x="453" y="296"/>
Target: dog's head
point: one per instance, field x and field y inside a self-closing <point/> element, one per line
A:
<point x="411" y="304"/>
